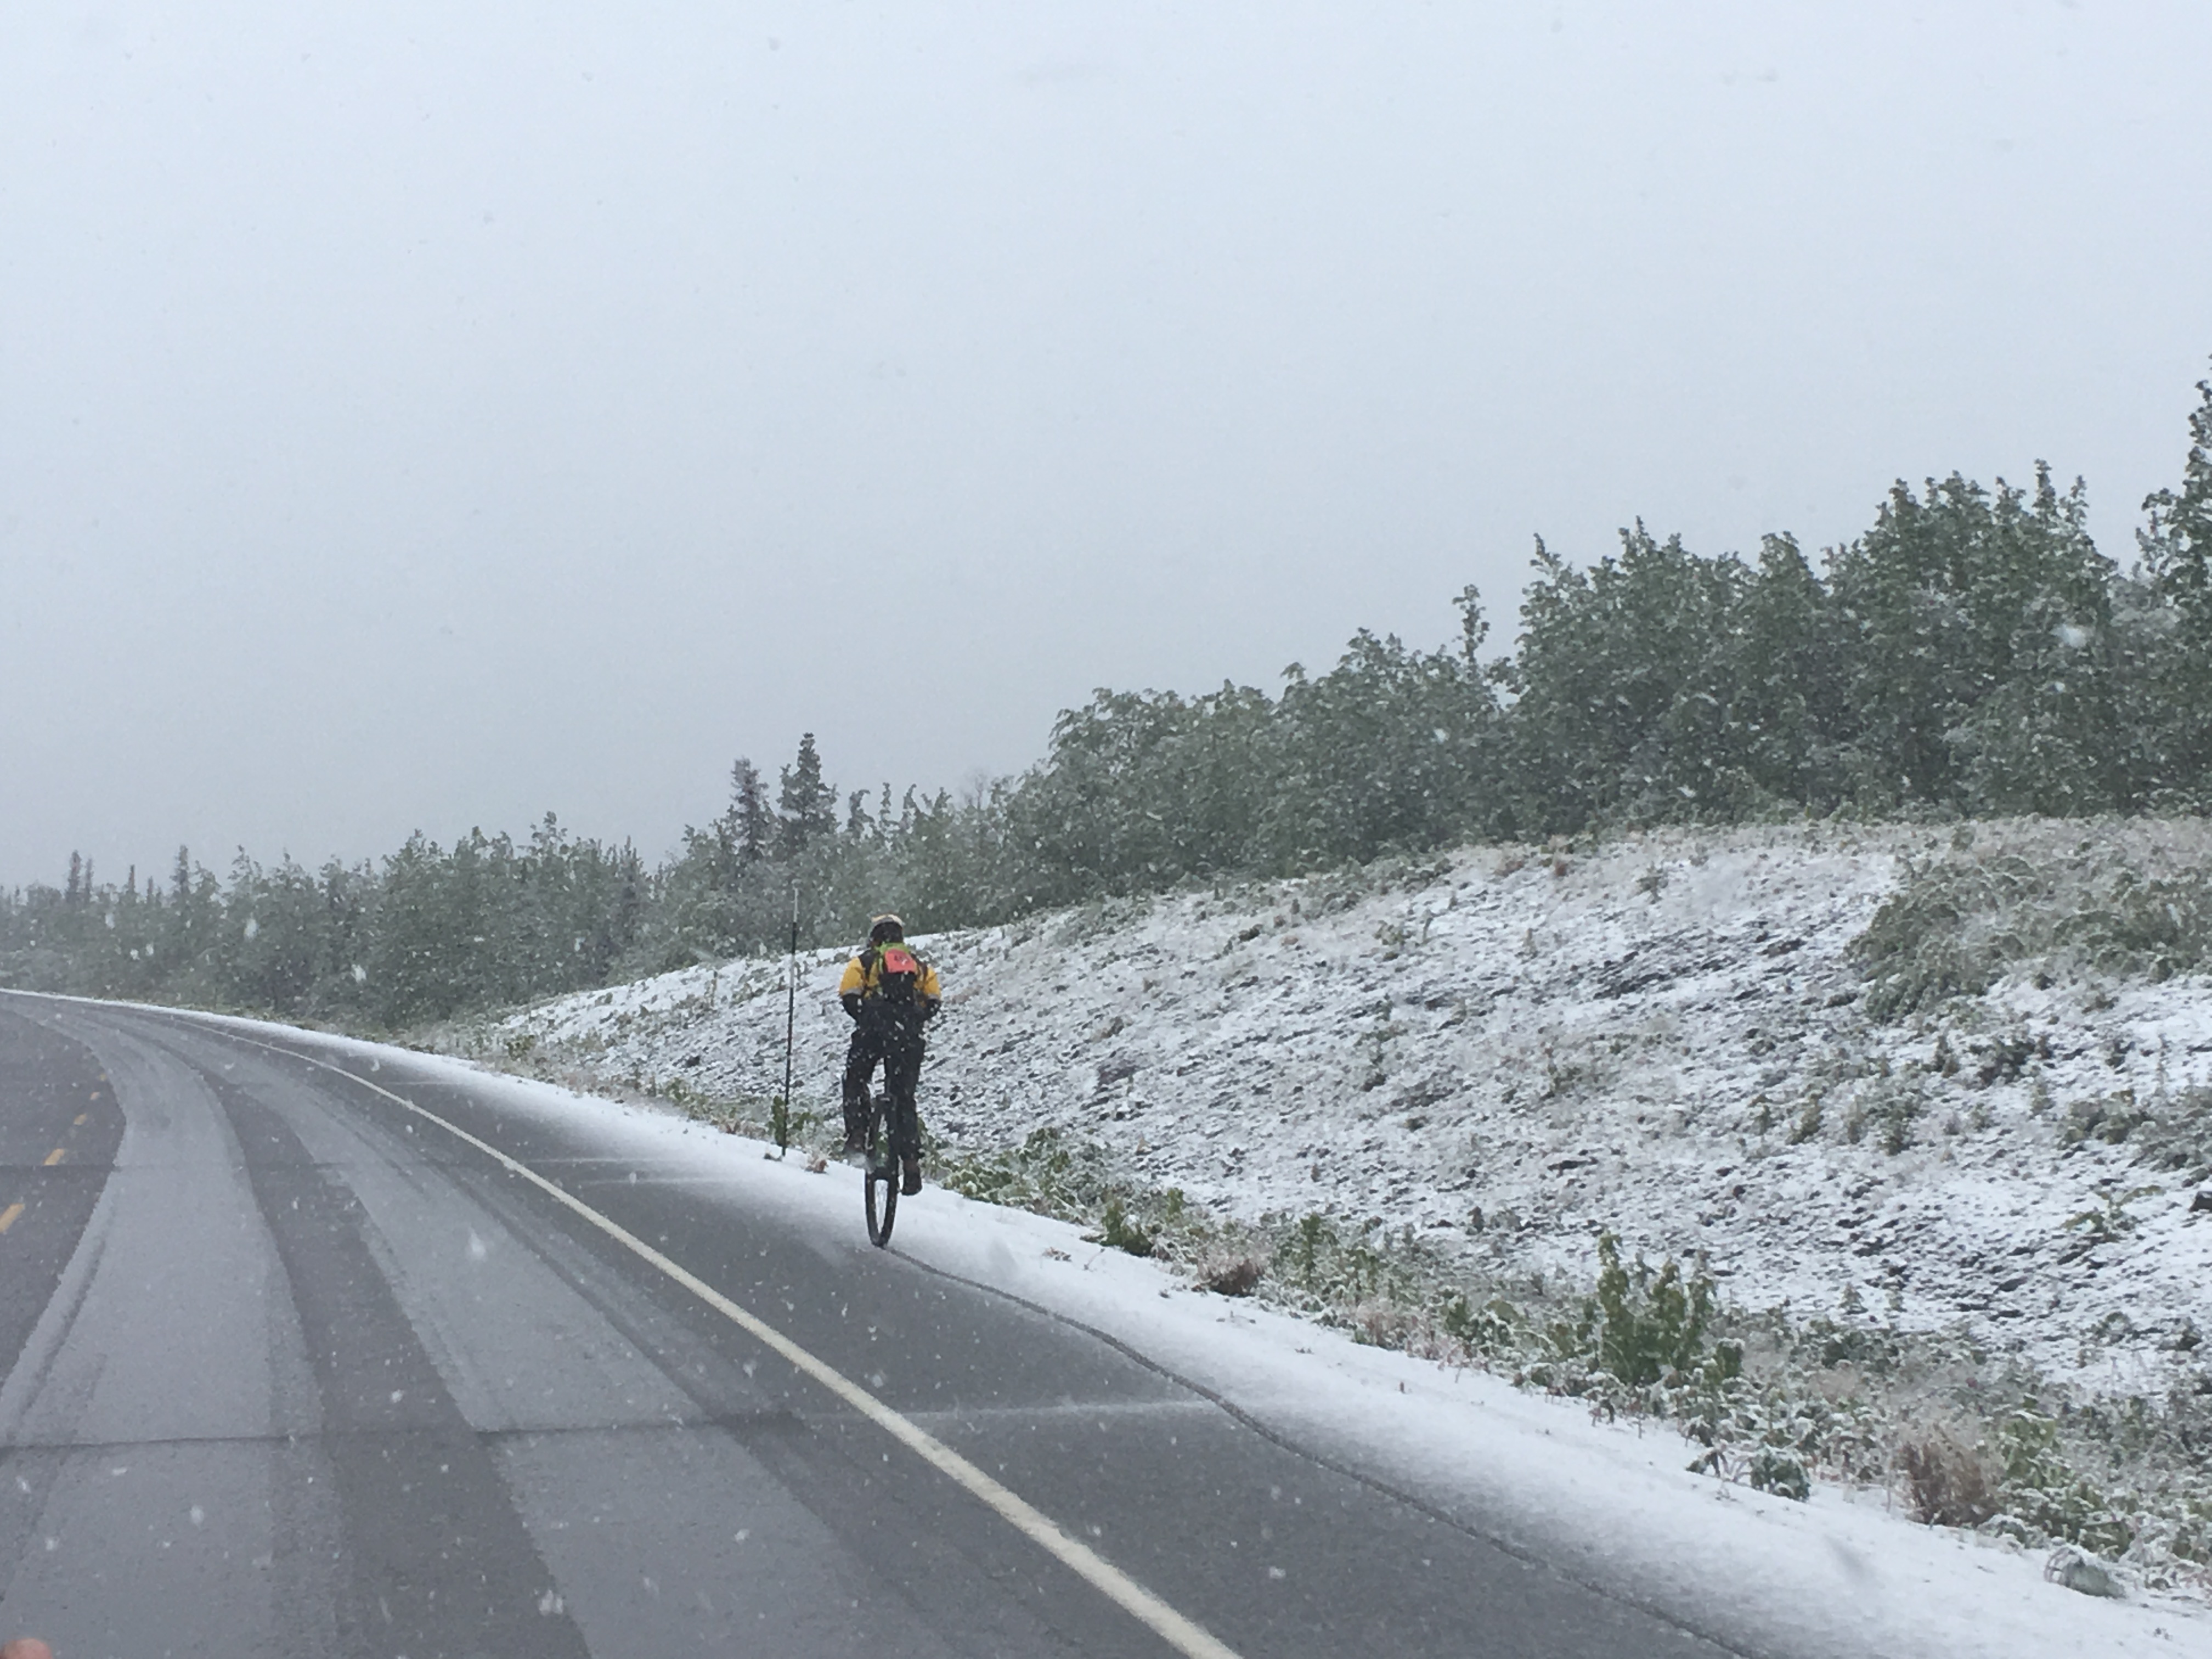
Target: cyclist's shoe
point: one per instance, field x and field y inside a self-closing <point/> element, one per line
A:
<point x="910" y="1171"/>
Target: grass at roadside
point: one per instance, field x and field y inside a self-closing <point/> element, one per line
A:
<point x="1963" y="1438"/>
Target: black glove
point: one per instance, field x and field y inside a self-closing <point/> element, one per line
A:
<point x="852" y="1001"/>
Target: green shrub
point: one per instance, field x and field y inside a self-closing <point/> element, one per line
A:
<point x="2133" y="900"/>
<point x="1652" y="1323"/>
<point x="2042" y="1488"/>
<point x="1777" y="1472"/>
<point x="2177" y="1134"/>
<point x="1117" y="1231"/>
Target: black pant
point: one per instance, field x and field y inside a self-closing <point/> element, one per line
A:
<point x="899" y="1050"/>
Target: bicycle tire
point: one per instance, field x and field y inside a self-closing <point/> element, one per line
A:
<point x="881" y="1166"/>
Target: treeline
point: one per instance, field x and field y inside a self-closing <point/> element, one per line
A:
<point x="1971" y="653"/>
<point x="423" y="933"/>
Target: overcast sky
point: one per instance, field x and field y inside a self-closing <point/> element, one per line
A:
<point x="425" y="414"/>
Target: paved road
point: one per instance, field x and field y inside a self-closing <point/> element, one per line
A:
<point x="290" y="1370"/>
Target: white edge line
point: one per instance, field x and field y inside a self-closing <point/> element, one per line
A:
<point x="1187" y="1636"/>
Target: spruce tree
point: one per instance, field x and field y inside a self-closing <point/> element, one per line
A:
<point x="750" y="826"/>
<point x="809" y="805"/>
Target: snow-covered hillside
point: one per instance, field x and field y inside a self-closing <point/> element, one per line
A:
<point x="1509" y="1050"/>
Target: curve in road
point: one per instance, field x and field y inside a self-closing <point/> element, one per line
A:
<point x="310" y="1351"/>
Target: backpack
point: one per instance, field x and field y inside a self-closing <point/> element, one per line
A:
<point x="898" y="973"/>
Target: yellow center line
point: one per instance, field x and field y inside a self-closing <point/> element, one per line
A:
<point x="54" y="1158"/>
<point x="81" y="1118"/>
<point x="7" y="1215"/>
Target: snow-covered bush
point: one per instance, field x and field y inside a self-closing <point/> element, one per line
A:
<point x="2044" y="1488"/>
<point x="2177" y="1134"/>
<point x="2043" y="902"/>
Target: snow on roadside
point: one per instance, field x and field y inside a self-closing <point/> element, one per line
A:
<point x="1841" y="1576"/>
<point x="1507" y="1051"/>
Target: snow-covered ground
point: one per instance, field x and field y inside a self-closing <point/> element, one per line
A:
<point x="1508" y="1051"/>
<point x="1844" y="1576"/>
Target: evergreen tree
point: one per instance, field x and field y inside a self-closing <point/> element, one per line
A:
<point x="752" y="824"/>
<point x="808" y="806"/>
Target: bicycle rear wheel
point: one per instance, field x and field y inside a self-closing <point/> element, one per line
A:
<point x="880" y="1183"/>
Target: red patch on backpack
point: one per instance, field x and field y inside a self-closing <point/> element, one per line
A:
<point x="897" y="961"/>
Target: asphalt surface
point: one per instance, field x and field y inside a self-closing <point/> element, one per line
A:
<point x="289" y="1371"/>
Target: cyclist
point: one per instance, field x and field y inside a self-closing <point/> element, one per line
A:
<point x="891" y="993"/>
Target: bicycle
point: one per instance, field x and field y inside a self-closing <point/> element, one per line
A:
<point x="880" y="1164"/>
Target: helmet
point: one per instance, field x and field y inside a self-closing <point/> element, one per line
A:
<point x="885" y="929"/>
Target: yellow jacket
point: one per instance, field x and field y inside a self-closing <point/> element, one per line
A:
<point x="864" y="975"/>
